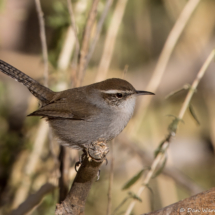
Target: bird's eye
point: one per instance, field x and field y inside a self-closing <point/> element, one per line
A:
<point x="119" y="95"/>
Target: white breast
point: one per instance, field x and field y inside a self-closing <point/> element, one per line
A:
<point x="123" y="114"/>
<point x="126" y="110"/>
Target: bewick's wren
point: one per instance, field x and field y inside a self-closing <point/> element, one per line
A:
<point x="82" y="115"/>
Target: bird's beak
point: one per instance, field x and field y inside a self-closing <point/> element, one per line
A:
<point x="144" y="93"/>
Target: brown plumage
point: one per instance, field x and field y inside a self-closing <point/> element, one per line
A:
<point x="82" y="115"/>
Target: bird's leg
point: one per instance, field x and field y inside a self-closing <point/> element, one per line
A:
<point x="97" y="152"/>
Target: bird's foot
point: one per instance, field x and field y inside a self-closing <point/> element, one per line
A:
<point x="97" y="151"/>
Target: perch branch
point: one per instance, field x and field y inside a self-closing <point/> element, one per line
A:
<point x="76" y="198"/>
<point x="202" y="203"/>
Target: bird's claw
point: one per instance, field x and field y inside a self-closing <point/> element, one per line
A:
<point x="97" y="152"/>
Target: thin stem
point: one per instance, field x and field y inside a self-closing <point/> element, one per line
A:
<point x="77" y="44"/>
<point x="34" y="199"/>
<point x="165" y="145"/>
<point x="43" y="40"/>
<point x="98" y="32"/>
<point x="195" y="84"/>
<point x="164" y="58"/>
<point x="64" y="176"/>
<point x="110" y="179"/>
<point x="170" y="43"/>
<point x="110" y="40"/>
<point x="85" y="41"/>
<point x="134" y="149"/>
<point x="32" y="162"/>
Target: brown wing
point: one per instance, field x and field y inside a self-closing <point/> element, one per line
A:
<point x="70" y="104"/>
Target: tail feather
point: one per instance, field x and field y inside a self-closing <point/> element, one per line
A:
<point x="41" y="92"/>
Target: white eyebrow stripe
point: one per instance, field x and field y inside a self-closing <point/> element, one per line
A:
<point x="115" y="91"/>
<point x="112" y="91"/>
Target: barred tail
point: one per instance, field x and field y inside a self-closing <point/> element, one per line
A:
<point x="41" y="92"/>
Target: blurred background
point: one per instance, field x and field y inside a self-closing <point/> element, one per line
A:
<point x="132" y="38"/>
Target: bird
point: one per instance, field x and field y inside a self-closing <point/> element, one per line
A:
<point x="82" y="115"/>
